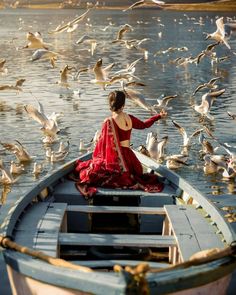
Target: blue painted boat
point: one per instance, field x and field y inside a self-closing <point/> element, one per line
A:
<point x="152" y="238"/>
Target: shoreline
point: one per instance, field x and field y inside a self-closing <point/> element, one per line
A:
<point x="229" y="5"/>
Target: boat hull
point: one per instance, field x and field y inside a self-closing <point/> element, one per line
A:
<point x="21" y="284"/>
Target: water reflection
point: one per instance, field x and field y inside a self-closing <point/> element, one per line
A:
<point x="83" y="113"/>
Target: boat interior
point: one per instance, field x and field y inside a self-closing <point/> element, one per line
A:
<point x="116" y="226"/>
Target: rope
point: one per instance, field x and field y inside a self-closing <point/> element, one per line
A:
<point x="6" y="242"/>
<point x="202" y="257"/>
<point x="135" y="277"/>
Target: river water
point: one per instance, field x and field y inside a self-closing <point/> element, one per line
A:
<point x="84" y="113"/>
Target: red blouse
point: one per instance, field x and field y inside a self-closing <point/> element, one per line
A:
<point x="136" y="124"/>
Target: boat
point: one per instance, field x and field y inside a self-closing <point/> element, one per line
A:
<point x="119" y="242"/>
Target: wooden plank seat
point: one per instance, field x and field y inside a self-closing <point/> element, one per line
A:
<point x="193" y="233"/>
<point x="115" y="209"/>
<point x="81" y="239"/>
<point x="40" y="227"/>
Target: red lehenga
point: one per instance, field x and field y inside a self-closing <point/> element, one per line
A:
<point x="114" y="166"/>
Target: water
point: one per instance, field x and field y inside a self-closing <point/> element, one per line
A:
<point x="83" y="115"/>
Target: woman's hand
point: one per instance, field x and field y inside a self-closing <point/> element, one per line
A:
<point x="163" y="114"/>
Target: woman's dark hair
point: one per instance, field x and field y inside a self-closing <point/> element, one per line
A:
<point x="116" y="100"/>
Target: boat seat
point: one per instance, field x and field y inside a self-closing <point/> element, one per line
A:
<point x="39" y="228"/>
<point x="121" y="240"/>
<point x="66" y="191"/>
<point x="192" y="232"/>
<point x="111" y="263"/>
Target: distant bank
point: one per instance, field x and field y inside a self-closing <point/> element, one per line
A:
<point x="184" y="5"/>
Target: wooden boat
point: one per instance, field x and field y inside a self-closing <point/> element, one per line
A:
<point x="118" y="227"/>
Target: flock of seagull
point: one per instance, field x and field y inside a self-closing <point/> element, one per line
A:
<point x="104" y="76"/>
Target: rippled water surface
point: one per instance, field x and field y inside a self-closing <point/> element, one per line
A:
<point x="82" y="115"/>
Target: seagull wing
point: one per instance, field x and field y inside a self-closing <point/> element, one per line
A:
<point x="80" y="18"/>
<point x="136" y="4"/>
<point x="9" y="146"/>
<point x="182" y="132"/>
<point x="211" y="46"/>
<point x="59" y="29"/>
<point x="36" y="114"/>
<point x="213" y="80"/>
<point x="216" y="93"/>
<point x="2" y="62"/>
<point x="166" y="99"/>
<point x="199" y="88"/>
<point x="220" y="26"/>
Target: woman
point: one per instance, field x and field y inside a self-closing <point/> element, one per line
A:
<point x="113" y="163"/>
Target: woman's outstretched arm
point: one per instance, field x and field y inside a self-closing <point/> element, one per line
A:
<point x="138" y="124"/>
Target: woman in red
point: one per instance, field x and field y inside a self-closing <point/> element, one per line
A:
<point x="114" y="164"/>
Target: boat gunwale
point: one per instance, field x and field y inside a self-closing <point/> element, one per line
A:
<point x="164" y="282"/>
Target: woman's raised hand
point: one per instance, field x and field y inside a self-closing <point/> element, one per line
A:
<point x="163" y="114"/>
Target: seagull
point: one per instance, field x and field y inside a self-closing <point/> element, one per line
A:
<point x="186" y="138"/>
<point x="207" y="52"/>
<point x="101" y="74"/>
<point x="130" y="68"/>
<point x="207" y="101"/>
<point x="45" y="54"/>
<point x="18" y="150"/>
<point x="57" y="156"/>
<point x="138" y="99"/>
<point x="6" y="177"/>
<point x="123" y="30"/>
<point x="210" y="84"/>
<point x="49" y="125"/>
<point x="3" y="70"/>
<point x="174" y="162"/>
<point x="163" y="101"/>
<point x="232" y="116"/>
<point x="223" y="32"/>
<point x="229" y="172"/>
<point x="16" y="87"/>
<point x="64" y="148"/>
<point x="64" y="76"/>
<point x="231" y="150"/>
<point x="16" y="168"/>
<point x="146" y="3"/>
<point x="35" y="41"/>
<point x="85" y="39"/>
<point x="79" y="72"/>
<point x="143" y="150"/>
<point x="207" y="147"/>
<point x="70" y="26"/>
<point x="155" y="147"/>
<point x="37" y="169"/>
<point x="213" y="163"/>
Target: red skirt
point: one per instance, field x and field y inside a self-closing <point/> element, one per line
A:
<point x="94" y="174"/>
